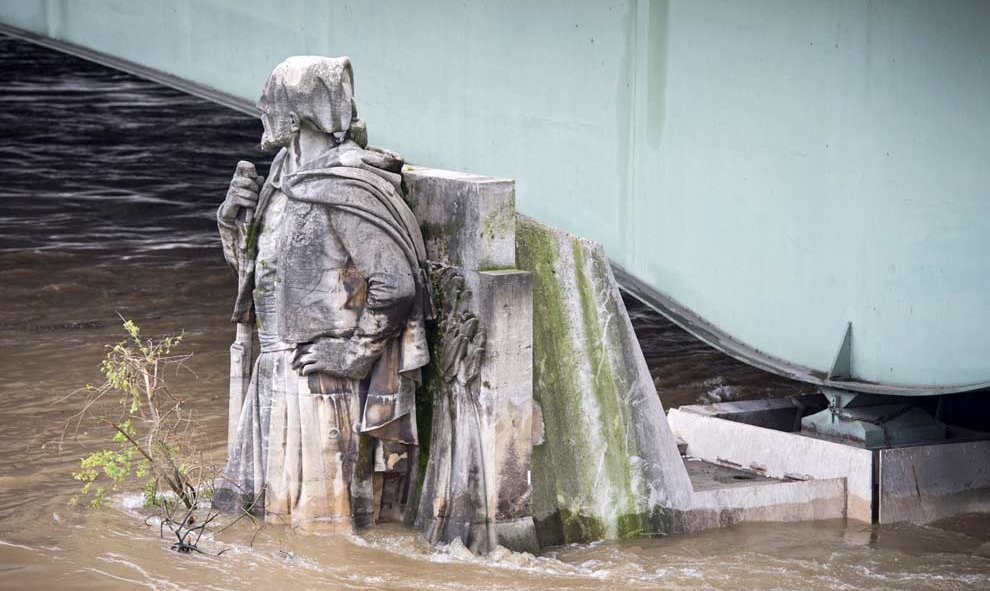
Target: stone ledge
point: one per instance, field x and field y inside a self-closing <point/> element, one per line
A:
<point x="777" y="454"/>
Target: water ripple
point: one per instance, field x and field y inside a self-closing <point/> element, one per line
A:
<point x="103" y="163"/>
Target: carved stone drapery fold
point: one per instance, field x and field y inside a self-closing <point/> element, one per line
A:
<point x="453" y="502"/>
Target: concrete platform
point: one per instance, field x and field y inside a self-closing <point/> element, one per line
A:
<point x="912" y="483"/>
<point x="708" y="476"/>
<point x="725" y="496"/>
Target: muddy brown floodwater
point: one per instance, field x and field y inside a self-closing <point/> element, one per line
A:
<point x="109" y="184"/>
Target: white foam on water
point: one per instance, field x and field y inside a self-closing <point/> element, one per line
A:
<point x="13" y="545"/>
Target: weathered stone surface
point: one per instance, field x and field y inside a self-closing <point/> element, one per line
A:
<point x="240" y="380"/>
<point x="476" y="481"/>
<point x="609" y="466"/>
<point x="803" y="500"/>
<point x="468" y="221"/>
<point x="452" y="503"/>
<point x="929" y="482"/>
<point x="505" y="307"/>
<point x="476" y="485"/>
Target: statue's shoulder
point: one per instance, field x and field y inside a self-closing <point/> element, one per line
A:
<point x="346" y="177"/>
<point x="341" y="187"/>
<point x="383" y="159"/>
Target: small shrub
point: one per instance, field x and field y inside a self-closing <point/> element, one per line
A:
<point x="153" y="440"/>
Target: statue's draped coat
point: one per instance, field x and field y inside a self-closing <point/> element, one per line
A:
<point x="333" y="255"/>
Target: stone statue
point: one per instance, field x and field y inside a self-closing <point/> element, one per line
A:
<point x="330" y="262"/>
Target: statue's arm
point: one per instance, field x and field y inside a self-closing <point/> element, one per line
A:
<point x="242" y="197"/>
<point x="229" y="238"/>
<point x="391" y="291"/>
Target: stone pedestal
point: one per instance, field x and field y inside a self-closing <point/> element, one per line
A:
<point x="505" y="392"/>
<point x="475" y="485"/>
<point x="468" y="221"/>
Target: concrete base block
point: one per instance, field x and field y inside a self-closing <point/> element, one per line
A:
<point x="920" y="483"/>
<point x="807" y="500"/>
<point x="518" y="535"/>
<point x="929" y="482"/>
<point x="776" y="454"/>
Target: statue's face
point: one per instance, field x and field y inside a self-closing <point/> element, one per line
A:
<point x="277" y="133"/>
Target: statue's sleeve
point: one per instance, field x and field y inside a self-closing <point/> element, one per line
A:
<point x="391" y="291"/>
<point x="229" y="240"/>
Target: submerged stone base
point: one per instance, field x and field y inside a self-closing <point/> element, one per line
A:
<point x="919" y="484"/>
<point x="924" y="483"/>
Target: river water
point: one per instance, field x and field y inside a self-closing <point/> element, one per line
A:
<point x="109" y="188"/>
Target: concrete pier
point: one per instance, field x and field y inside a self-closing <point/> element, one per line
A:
<point x="561" y="437"/>
<point x="610" y="466"/>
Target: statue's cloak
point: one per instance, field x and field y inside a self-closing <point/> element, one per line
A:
<point x="356" y="184"/>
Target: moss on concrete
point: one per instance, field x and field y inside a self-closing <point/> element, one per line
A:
<point x="587" y="482"/>
<point x="587" y="455"/>
<point x="564" y="526"/>
<point x="611" y="418"/>
<point x="555" y="386"/>
<point x="426" y="395"/>
<point x="581" y="527"/>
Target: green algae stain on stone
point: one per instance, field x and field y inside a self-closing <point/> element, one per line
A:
<point x="581" y="527"/>
<point x="586" y="447"/>
<point x="603" y="382"/>
<point x="593" y="475"/>
<point x="555" y="387"/>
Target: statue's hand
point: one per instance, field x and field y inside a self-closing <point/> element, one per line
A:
<point x="325" y="355"/>
<point x="243" y="191"/>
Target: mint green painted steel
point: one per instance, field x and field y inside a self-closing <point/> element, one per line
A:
<point x="780" y="168"/>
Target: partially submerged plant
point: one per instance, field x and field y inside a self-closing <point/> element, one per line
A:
<point x="153" y="438"/>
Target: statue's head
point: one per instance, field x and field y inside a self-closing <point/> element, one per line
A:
<point x="314" y="92"/>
